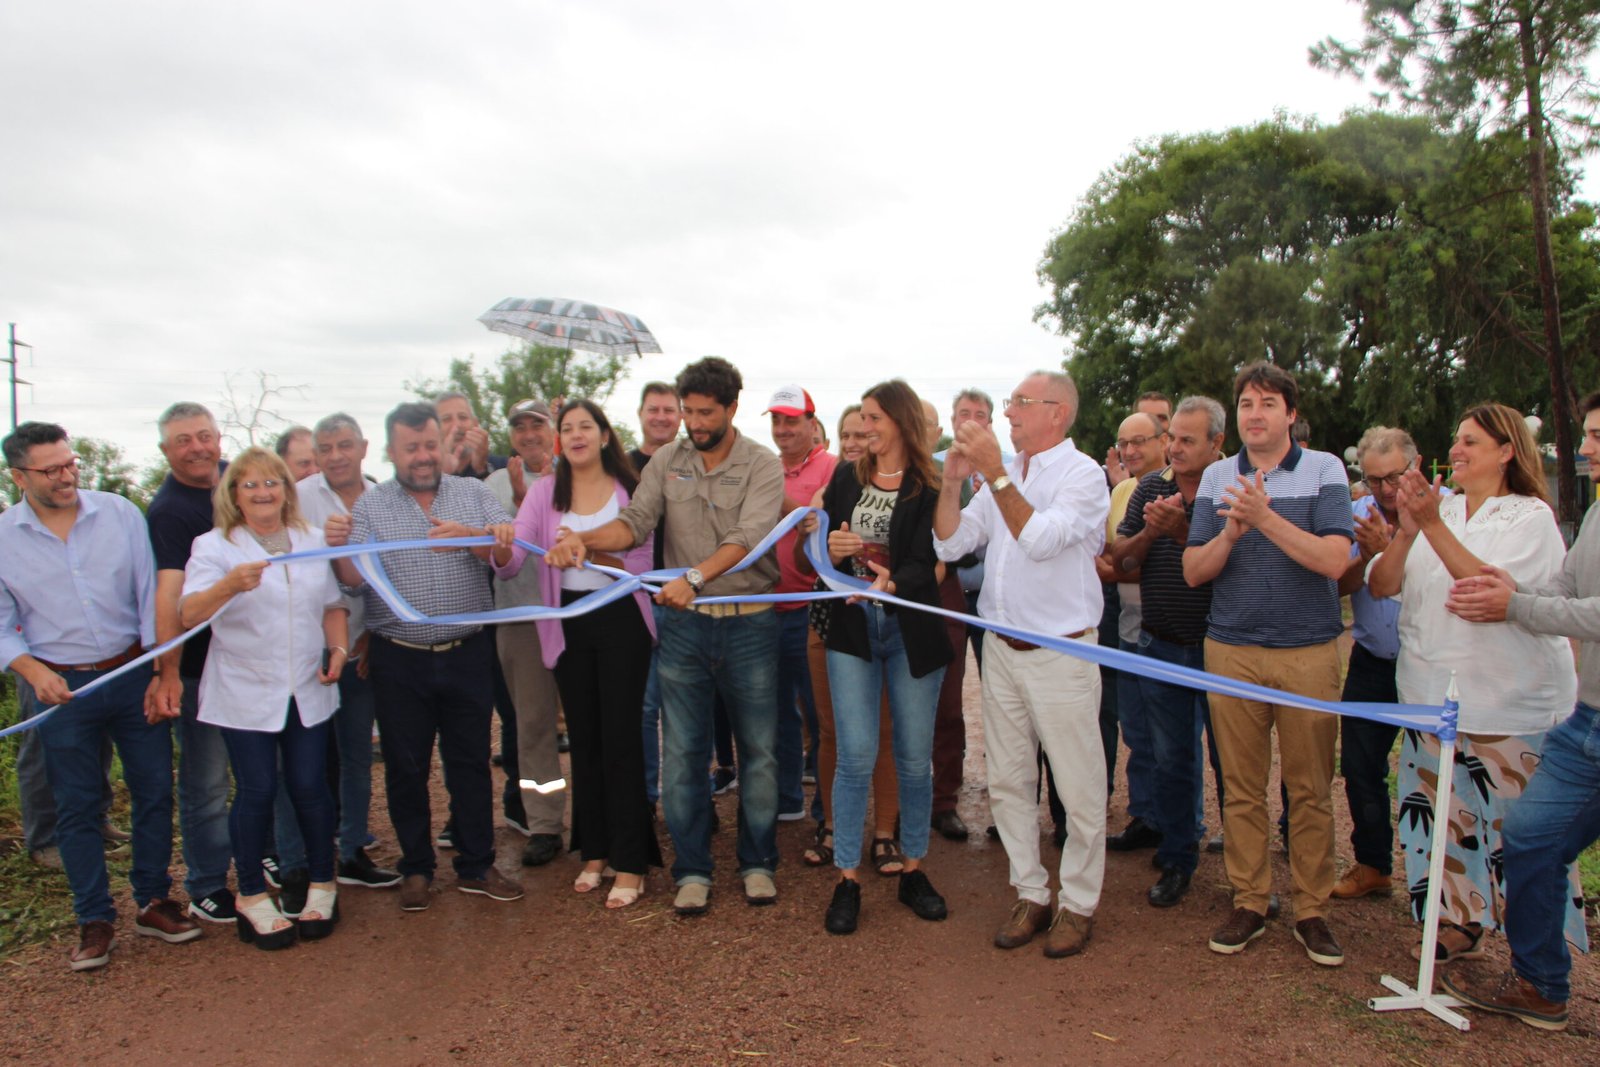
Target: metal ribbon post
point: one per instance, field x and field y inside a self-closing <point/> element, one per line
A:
<point x="1423" y="996"/>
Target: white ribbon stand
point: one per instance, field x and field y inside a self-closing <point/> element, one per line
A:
<point x="1436" y="1004"/>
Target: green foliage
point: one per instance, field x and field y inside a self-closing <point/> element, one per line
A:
<point x="104" y="466"/>
<point x="524" y="371"/>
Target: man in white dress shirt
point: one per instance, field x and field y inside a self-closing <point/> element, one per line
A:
<point x="1043" y="519"/>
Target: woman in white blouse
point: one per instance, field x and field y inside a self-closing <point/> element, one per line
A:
<point x="1514" y="685"/>
<point x="278" y="644"/>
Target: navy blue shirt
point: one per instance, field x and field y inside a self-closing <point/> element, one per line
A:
<point x="178" y="514"/>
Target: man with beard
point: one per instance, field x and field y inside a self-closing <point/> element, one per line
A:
<point x="720" y="494"/>
<point x="431" y="679"/>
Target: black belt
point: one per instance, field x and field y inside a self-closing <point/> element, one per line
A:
<point x="1169" y="639"/>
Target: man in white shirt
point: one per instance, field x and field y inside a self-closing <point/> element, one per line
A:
<point x="1043" y="519"/>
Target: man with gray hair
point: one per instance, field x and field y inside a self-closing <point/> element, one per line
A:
<point x="1384" y="454"/>
<point x="1043" y="519"/>
<point x="294" y="446"/>
<point x="464" y="440"/>
<point x="1151" y="539"/>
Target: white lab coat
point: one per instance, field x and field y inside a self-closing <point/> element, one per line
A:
<point x="266" y="645"/>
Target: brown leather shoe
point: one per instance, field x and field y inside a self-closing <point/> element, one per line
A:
<point x="415" y="893"/>
<point x="1507" y="993"/>
<point x="94" y="946"/>
<point x="1363" y="881"/>
<point x="493" y="885"/>
<point x="163" y="918"/>
<point x="1025" y="920"/>
<point x="1235" y="935"/>
<point x="1069" y="932"/>
<point x="1318" y="940"/>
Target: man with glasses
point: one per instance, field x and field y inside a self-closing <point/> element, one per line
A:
<point x="77" y="601"/>
<point x="1043" y="519"/>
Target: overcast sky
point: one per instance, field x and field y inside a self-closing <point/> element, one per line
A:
<point x="821" y="192"/>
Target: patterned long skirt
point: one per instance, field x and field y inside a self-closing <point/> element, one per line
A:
<point x="1491" y="771"/>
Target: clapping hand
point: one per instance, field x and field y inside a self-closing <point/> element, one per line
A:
<point x="1246" y="502"/>
<point x="1481" y="597"/>
<point x="1167" y="517"/>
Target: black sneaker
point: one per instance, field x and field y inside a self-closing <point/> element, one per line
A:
<point x="541" y="849"/>
<point x="918" y="894"/>
<point x="216" y="908"/>
<point x="563" y="742"/>
<point x="292" y="894"/>
<point x="724" y="779"/>
<point x="845" y="908"/>
<point x="269" y="868"/>
<point x="362" y="871"/>
<point x="447" y="838"/>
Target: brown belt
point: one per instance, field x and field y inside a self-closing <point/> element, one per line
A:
<point x="1029" y="646"/>
<point x="443" y="646"/>
<point x="128" y="655"/>
<point x="722" y="611"/>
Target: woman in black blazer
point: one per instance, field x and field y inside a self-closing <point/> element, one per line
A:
<point x="881" y="511"/>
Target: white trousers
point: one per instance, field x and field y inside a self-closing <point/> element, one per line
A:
<point x="1046" y="698"/>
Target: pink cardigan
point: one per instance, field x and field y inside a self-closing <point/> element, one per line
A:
<point x="536" y="523"/>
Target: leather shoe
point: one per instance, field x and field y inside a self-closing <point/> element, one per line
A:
<point x="415" y="893"/>
<point x="918" y="894"/>
<point x="541" y="849"/>
<point x="1136" y="835"/>
<point x="949" y="825"/>
<point x="493" y="885"/>
<point x="1069" y="932"/>
<point x="1170" y="889"/>
<point x="1026" y="919"/>
<point x="1362" y="881"/>
<point x="163" y="918"/>
<point x="95" y="939"/>
<point x="1507" y="993"/>
<point x="845" y="908"/>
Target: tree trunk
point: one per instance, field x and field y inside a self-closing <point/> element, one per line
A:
<point x="1563" y="400"/>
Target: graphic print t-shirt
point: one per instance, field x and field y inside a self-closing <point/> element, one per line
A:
<point x="870" y="519"/>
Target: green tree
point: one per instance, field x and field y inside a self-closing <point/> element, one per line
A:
<point x="1497" y="65"/>
<point x="528" y="370"/>
<point x="103" y="465"/>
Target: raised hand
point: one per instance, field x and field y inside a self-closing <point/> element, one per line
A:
<point x="843" y="543"/>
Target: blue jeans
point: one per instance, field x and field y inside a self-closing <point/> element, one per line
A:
<point x="33" y="784"/>
<point x="858" y="686"/>
<point x="1131" y="717"/>
<point x="652" y="719"/>
<point x="1174" y="716"/>
<point x="202" y="799"/>
<point x="352" y="732"/>
<point x="71" y="741"/>
<point x="700" y="657"/>
<point x="795" y="708"/>
<point x="1544" y="830"/>
<point x="256" y="756"/>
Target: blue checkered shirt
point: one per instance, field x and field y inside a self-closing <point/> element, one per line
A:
<point x="435" y="583"/>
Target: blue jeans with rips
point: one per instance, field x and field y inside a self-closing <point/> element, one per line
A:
<point x="699" y="657"/>
<point x="857" y="686"/>
<point x="1544" y="830"/>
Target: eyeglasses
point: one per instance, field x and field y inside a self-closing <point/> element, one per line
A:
<point x="54" y="471"/>
<point x="265" y="483"/>
<point x="1138" y="442"/>
<point x="1389" y="481"/>
<point x="1024" y="401"/>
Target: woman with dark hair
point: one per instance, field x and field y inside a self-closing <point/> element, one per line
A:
<point x="601" y="659"/>
<point x="276" y="653"/>
<point x="882" y="510"/>
<point x="1513" y="684"/>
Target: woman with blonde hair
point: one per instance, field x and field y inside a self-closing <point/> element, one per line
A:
<point x="279" y="637"/>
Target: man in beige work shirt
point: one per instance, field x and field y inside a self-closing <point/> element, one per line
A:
<point x="720" y="494"/>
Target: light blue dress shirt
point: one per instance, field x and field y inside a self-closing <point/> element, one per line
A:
<point x="1375" y="621"/>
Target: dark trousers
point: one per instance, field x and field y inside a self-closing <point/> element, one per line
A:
<point x="949" y="727"/>
<point x="449" y="695"/>
<point x="1107" y="638"/>
<point x="601" y="675"/>
<point x="1364" y="748"/>
<point x="506" y="709"/>
<point x="254" y="756"/>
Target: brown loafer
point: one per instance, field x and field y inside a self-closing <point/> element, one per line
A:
<point x="1025" y="920"/>
<point x="1363" y="881"/>
<point x="1069" y="932"/>
<point x="163" y="918"/>
<point x="94" y="945"/>
<point x="415" y="893"/>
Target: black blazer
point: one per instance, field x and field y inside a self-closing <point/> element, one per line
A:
<point x="911" y="563"/>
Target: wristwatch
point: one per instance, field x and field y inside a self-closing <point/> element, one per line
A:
<point x="696" y="580"/>
<point x="1002" y="482"/>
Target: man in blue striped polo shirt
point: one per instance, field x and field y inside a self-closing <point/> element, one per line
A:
<point x="1272" y="531"/>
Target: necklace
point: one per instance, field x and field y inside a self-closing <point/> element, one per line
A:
<point x="275" y="543"/>
<point x="891" y="474"/>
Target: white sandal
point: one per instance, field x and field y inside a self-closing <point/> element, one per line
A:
<point x="256" y="924"/>
<point x="623" y="896"/>
<point x="325" y="903"/>
<point x="588" y="881"/>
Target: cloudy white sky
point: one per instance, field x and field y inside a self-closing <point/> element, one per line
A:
<point x="822" y="192"/>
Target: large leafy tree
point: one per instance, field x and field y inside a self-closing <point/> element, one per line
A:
<point x="1487" y="65"/>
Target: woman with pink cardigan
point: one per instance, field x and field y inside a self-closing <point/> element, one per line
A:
<point x="601" y="659"/>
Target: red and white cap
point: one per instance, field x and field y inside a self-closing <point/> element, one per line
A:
<point x="791" y="400"/>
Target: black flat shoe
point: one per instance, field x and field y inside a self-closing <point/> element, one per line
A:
<point x="1170" y="889"/>
<point x="918" y="894"/>
<point x="1136" y="835"/>
<point x="845" y="908"/>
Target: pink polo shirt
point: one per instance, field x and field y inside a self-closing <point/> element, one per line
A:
<point x="800" y="484"/>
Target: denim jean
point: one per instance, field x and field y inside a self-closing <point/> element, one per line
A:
<point x="352" y="733"/>
<point x="256" y="756"/>
<point x="202" y="799"/>
<point x="1555" y="819"/>
<point x="1364" y="748"/>
<point x="858" y="686"/>
<point x="71" y="741"/>
<point x="1107" y="638"/>
<point x="33" y="784"/>
<point x="652" y="719"/>
<point x="1175" y="716"/>
<point x="795" y="707"/>
<point x="700" y="658"/>
<point x="1132" y="718"/>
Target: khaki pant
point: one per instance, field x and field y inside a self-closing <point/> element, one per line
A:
<point x="1306" y="742"/>
<point x="538" y="706"/>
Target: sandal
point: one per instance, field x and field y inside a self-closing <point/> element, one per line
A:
<point x="325" y="903"/>
<point x="886" y="856"/>
<point x="588" y="881"/>
<point x="820" y="854"/>
<point x="623" y="896"/>
<point x="258" y="924"/>
<point x="1455" y="943"/>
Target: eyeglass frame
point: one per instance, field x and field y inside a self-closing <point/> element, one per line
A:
<point x="252" y="485"/>
<point x="53" y="472"/>
<point x="1014" y="401"/>
<point x="1140" y="441"/>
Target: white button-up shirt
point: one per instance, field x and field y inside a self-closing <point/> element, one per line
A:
<point x="317" y="502"/>
<point x="266" y="645"/>
<point x="1043" y="580"/>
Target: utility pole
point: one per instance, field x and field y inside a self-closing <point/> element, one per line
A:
<point x="11" y="358"/>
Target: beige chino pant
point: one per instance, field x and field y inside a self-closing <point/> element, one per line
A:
<point x="533" y="691"/>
